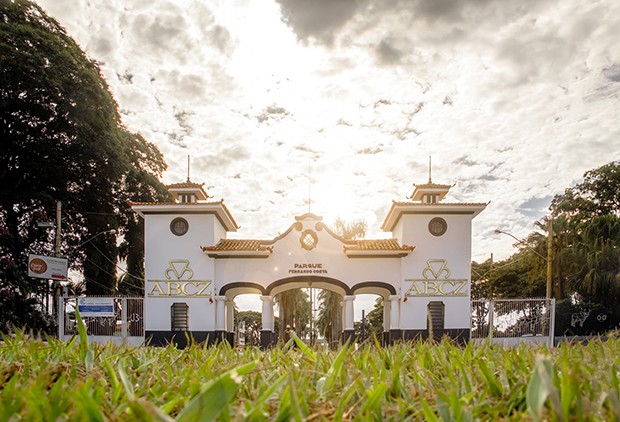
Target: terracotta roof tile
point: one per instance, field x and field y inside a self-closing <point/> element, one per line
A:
<point x="238" y="245"/>
<point x="437" y="204"/>
<point x="431" y="185"/>
<point x="185" y="185"/>
<point x="378" y="245"/>
<point x="177" y="203"/>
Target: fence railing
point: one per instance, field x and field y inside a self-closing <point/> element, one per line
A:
<point x="128" y="319"/>
<point x="513" y="319"/>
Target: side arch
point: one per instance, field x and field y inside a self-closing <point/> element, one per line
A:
<point x="374" y="287"/>
<point x="241" y="287"/>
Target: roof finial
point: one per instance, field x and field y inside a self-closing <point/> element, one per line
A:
<point x="187" y="168"/>
<point x="430" y="180"/>
<point x="309" y="184"/>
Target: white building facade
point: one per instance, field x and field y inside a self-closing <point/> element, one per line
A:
<point x="193" y="271"/>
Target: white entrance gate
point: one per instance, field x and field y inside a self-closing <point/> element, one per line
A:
<point x="513" y="321"/>
<point x="126" y="326"/>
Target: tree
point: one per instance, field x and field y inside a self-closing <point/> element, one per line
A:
<point x="294" y="311"/>
<point x="252" y="321"/>
<point x="329" y="321"/>
<point x="590" y="215"/>
<point x="63" y="140"/>
<point x="585" y="250"/>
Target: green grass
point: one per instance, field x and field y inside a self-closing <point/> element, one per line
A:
<point x="53" y="380"/>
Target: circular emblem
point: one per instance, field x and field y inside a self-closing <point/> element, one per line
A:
<point x="308" y="240"/>
<point x="38" y="266"/>
<point x="179" y="226"/>
<point x="437" y="226"/>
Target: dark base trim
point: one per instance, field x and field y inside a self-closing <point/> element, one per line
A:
<point x="348" y="335"/>
<point x="394" y="335"/>
<point x="182" y="339"/>
<point x="458" y="335"/>
<point x="268" y="339"/>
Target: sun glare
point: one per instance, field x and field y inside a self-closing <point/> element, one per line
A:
<point x="333" y="199"/>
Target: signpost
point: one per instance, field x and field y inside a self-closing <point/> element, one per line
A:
<point x="96" y="306"/>
<point x="48" y="267"/>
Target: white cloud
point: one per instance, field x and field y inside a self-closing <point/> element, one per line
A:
<point x="514" y="100"/>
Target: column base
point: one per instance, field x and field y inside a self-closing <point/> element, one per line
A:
<point x="181" y="339"/>
<point x="267" y="339"/>
<point x="348" y="335"/>
<point x="395" y="335"/>
<point x="219" y="336"/>
<point x="458" y="335"/>
<point x="230" y="338"/>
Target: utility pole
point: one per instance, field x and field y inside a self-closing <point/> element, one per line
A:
<point x="58" y="228"/>
<point x="57" y="244"/>
<point x="363" y="325"/>
<point x="550" y="258"/>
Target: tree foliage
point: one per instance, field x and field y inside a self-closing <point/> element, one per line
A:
<point x="63" y="140"/>
<point x="329" y="321"/>
<point x="252" y="322"/>
<point x="585" y="248"/>
<point x="294" y="311"/>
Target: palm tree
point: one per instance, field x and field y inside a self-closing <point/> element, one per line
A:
<point x="294" y="311"/>
<point x="329" y="321"/>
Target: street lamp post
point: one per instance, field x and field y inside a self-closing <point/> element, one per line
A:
<point x="548" y="259"/>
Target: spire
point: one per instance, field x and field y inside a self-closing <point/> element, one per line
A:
<point x="429" y="193"/>
<point x="188" y="168"/>
<point x="430" y="180"/>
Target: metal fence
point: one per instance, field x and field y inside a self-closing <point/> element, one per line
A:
<point x="513" y="320"/>
<point x="127" y="322"/>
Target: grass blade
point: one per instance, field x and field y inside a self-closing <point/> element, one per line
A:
<point x="215" y="396"/>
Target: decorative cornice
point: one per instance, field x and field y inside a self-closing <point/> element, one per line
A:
<point x="308" y="216"/>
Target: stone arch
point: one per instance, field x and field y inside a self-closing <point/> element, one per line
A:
<point x="230" y="290"/>
<point x="379" y="288"/>
<point x="307" y="281"/>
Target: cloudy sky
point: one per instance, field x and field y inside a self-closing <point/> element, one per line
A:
<point x="514" y="100"/>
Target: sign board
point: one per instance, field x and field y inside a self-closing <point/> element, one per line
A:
<point x="96" y="306"/>
<point x="49" y="267"/>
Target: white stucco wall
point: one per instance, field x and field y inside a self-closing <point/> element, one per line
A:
<point x="162" y="247"/>
<point x="453" y="247"/>
<point x="288" y="252"/>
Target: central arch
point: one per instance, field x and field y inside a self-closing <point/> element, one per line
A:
<point x="306" y="281"/>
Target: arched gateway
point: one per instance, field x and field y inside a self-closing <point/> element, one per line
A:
<point x="193" y="271"/>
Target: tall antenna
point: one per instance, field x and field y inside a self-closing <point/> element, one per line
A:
<point x="188" y="168"/>
<point x="430" y="180"/>
<point x="309" y="184"/>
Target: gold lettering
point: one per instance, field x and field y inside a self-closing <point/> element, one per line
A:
<point x="432" y="288"/>
<point x="158" y="287"/>
<point x="412" y="288"/>
<point x="207" y="284"/>
<point x="458" y="291"/>
<point x="165" y="288"/>
<point x="175" y="287"/>
<point x="184" y="286"/>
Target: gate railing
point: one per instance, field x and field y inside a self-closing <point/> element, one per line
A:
<point x="513" y="320"/>
<point x="127" y="322"/>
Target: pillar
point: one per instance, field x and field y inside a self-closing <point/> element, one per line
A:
<point x="220" y="317"/>
<point x="387" y="306"/>
<point x="395" y="331"/>
<point x="230" y="321"/>
<point x="267" y="337"/>
<point x="348" y="315"/>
